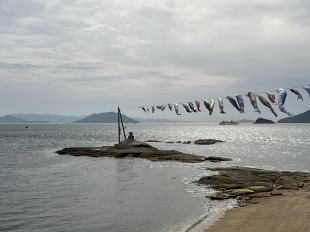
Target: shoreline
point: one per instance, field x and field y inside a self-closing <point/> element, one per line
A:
<point x="266" y="201"/>
<point x="206" y="221"/>
<point x="285" y="213"/>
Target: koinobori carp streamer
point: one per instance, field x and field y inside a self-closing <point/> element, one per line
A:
<point x="236" y="101"/>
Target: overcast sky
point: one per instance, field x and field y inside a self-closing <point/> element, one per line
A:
<point x="78" y="57"/>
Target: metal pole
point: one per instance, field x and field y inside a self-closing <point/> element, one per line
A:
<point x="118" y="123"/>
<point x="120" y="114"/>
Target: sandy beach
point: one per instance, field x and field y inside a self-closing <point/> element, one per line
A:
<point x="287" y="213"/>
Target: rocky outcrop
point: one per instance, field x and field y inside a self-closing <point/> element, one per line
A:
<point x="248" y="183"/>
<point x="152" y="141"/>
<point x="263" y="121"/>
<point x="198" y="142"/>
<point x="187" y="142"/>
<point x="132" y="149"/>
<point x="207" y="141"/>
<point x="216" y="159"/>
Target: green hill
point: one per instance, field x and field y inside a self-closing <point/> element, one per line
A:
<point x="44" y="118"/>
<point x="263" y="121"/>
<point x="300" y="118"/>
<point x="108" y="117"/>
<point x="11" y="119"/>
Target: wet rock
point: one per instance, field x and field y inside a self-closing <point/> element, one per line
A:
<point x="133" y="144"/>
<point x="220" y="196"/>
<point x="132" y="149"/>
<point x="187" y="142"/>
<point x="240" y="192"/>
<point x="260" y="188"/>
<point x="253" y="202"/>
<point x="247" y="183"/>
<point x="301" y="185"/>
<point x="152" y="141"/>
<point x="276" y="193"/>
<point x="260" y="195"/>
<point x="243" y="204"/>
<point x="207" y="141"/>
<point x="216" y="159"/>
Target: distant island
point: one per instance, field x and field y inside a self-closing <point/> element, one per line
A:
<point x="159" y="120"/>
<point x="38" y="118"/>
<point x="11" y="119"/>
<point x="245" y="121"/>
<point x="300" y="118"/>
<point x="52" y="118"/>
<point x="111" y="117"/>
<point x="108" y="117"/>
<point x="263" y="121"/>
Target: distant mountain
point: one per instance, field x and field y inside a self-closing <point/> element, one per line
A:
<point x="53" y="118"/>
<point x="263" y="121"/>
<point x="160" y="120"/>
<point x="11" y="119"/>
<point x="300" y="118"/>
<point x="108" y="117"/>
<point x="245" y="121"/>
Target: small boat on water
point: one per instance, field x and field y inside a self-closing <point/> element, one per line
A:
<point x="229" y="123"/>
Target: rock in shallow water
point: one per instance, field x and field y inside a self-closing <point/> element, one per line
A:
<point x="187" y="142"/>
<point x="132" y="149"/>
<point x="216" y="159"/>
<point x="207" y="141"/>
<point x="152" y="141"/>
<point x="247" y="183"/>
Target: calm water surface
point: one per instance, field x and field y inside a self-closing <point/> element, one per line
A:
<point x="42" y="191"/>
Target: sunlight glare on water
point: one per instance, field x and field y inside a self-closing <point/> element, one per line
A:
<point x="43" y="191"/>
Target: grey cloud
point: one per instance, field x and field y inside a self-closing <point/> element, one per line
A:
<point x="151" y="51"/>
<point x="18" y="66"/>
<point x="64" y="66"/>
<point x="17" y="8"/>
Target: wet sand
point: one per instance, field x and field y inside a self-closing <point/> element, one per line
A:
<point x="287" y="213"/>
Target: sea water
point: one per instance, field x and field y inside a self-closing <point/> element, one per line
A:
<point x="43" y="191"/>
